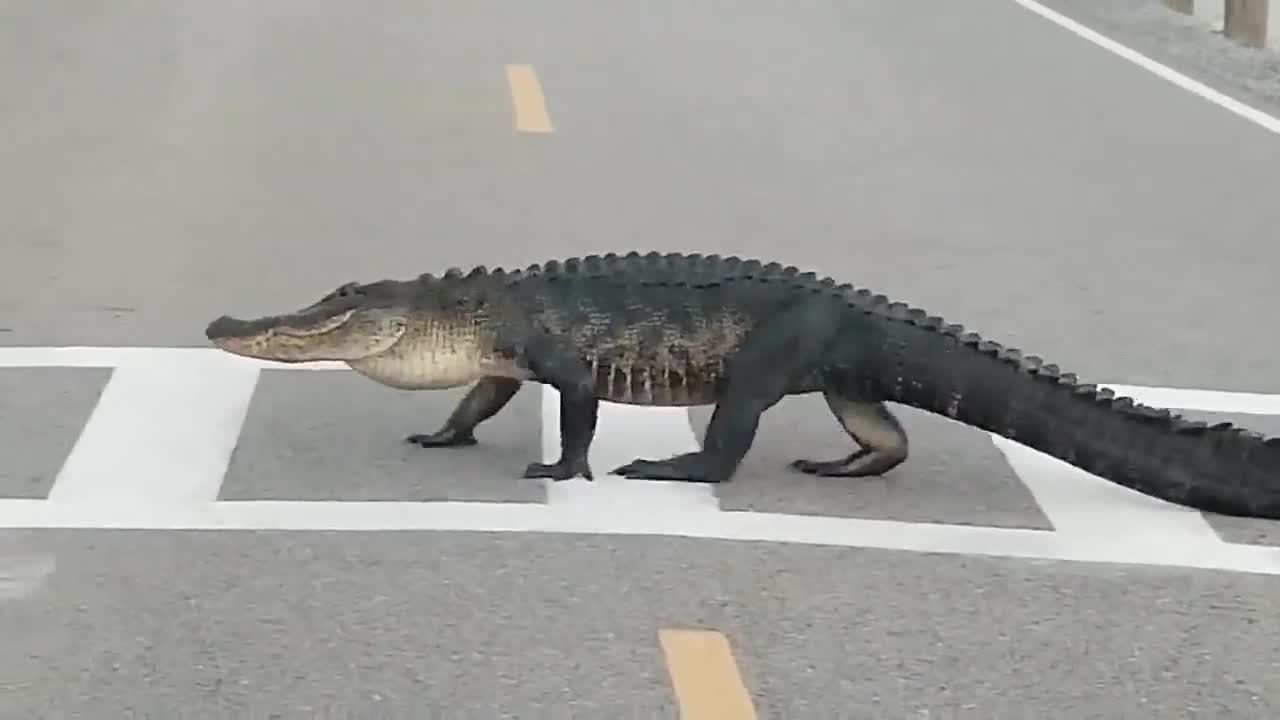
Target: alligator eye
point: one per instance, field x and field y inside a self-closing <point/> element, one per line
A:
<point x="344" y="290"/>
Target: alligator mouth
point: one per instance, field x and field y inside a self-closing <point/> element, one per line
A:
<point x="310" y="335"/>
<point x="230" y="329"/>
<point x="282" y="338"/>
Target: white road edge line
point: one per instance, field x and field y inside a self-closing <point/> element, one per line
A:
<point x="1221" y="401"/>
<point x="1163" y="71"/>
<point x="735" y="525"/>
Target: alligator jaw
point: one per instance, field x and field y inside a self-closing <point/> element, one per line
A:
<point x="249" y="338"/>
<point x="350" y="335"/>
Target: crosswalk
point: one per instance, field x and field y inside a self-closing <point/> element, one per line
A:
<point x="192" y="438"/>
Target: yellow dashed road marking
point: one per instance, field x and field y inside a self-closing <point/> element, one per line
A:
<point x="527" y="100"/>
<point x="705" y="676"/>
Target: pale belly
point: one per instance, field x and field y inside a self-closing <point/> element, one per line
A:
<point x="437" y="371"/>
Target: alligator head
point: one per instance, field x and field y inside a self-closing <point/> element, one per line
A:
<point x="351" y="323"/>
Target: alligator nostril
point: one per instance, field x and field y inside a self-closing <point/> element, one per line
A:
<point x="221" y="327"/>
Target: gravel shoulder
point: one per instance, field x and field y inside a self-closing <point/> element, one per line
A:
<point x="1191" y="45"/>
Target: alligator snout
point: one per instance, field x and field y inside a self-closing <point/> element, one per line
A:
<point x="223" y="327"/>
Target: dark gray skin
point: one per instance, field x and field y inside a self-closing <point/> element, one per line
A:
<point x="681" y="330"/>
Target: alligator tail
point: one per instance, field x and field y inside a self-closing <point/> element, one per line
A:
<point x="920" y="361"/>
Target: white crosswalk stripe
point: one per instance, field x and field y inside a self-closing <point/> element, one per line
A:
<point x="155" y="451"/>
<point x="161" y="434"/>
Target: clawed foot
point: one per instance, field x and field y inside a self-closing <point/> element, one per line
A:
<point x="559" y="471"/>
<point x="447" y="437"/>
<point x="690" y="467"/>
<point x="826" y="468"/>
<point x="862" y="463"/>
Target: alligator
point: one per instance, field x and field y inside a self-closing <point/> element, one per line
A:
<point x="684" y="329"/>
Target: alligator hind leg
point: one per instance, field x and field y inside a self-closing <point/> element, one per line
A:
<point x="485" y="400"/>
<point x="882" y="441"/>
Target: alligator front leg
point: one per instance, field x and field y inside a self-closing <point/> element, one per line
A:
<point x="485" y="400"/>
<point x="558" y="365"/>
<point x="578" y="413"/>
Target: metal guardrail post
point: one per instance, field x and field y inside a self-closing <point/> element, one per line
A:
<point x="1245" y="22"/>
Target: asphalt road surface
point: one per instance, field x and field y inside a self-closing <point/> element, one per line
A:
<point x="165" y="163"/>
